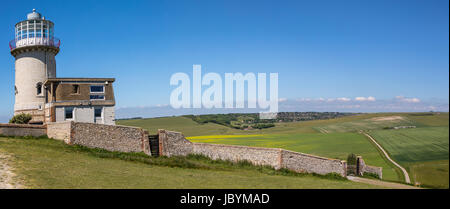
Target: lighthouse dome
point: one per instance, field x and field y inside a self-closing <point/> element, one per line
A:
<point x="34" y="15"/>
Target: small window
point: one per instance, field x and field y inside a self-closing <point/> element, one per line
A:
<point x="98" y="112"/>
<point x="68" y="113"/>
<point x="39" y="88"/>
<point x="97" y="89"/>
<point x="97" y="96"/>
<point x="75" y="89"/>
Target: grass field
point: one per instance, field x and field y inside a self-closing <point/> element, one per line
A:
<point x="418" y="149"/>
<point x="47" y="163"/>
<point x="431" y="173"/>
<point x="190" y="128"/>
<point x="333" y="145"/>
<point x="185" y="125"/>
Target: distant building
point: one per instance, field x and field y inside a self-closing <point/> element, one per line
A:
<point x="40" y="93"/>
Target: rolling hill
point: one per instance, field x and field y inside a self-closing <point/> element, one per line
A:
<point x="425" y="141"/>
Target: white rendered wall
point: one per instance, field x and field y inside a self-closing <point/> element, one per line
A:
<point x="86" y="114"/>
<point x="109" y="115"/>
<point x="32" y="67"/>
<point x="59" y="114"/>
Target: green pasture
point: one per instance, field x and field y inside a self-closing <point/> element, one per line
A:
<point x="417" y="149"/>
<point x="415" y="144"/>
<point x="368" y="124"/>
<point x="181" y="124"/>
<point x="430" y="173"/>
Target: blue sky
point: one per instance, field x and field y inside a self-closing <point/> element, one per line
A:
<point x="321" y="49"/>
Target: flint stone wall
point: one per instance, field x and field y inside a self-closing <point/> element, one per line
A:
<point x="301" y="162"/>
<point x="174" y="143"/>
<point x="8" y="129"/>
<point x="374" y="170"/>
<point x="108" y="137"/>
<point x="364" y="168"/>
<point x="255" y="155"/>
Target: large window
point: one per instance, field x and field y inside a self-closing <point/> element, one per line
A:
<point x="68" y="113"/>
<point x="97" y="89"/>
<point x="97" y="92"/>
<point x="34" y="28"/>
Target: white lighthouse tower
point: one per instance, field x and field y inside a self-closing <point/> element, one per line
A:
<point x="34" y="48"/>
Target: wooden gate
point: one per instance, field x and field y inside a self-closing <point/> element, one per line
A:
<point x="358" y="169"/>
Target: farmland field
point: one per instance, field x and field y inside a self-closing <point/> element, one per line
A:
<point x="368" y="124"/>
<point x="416" y="149"/>
<point x="430" y="173"/>
<point x="185" y="125"/>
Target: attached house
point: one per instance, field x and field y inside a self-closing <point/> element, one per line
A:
<point x="79" y="99"/>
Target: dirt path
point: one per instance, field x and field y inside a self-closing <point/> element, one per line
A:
<point x="405" y="173"/>
<point x="381" y="183"/>
<point x="6" y="175"/>
<point x="322" y="130"/>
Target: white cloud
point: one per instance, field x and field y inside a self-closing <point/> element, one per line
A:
<point x="282" y="99"/>
<point x="343" y="99"/>
<point x="162" y="105"/>
<point x="413" y="100"/>
<point x="303" y="100"/>
<point x="362" y="99"/>
<point x="409" y="100"/>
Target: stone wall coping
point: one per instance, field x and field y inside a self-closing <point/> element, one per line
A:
<point x="163" y="131"/>
<point x="239" y="146"/>
<point x="175" y="132"/>
<point x="60" y="122"/>
<point x="97" y="124"/>
<point x="314" y="156"/>
<point x="13" y="125"/>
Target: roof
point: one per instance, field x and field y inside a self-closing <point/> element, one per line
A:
<point x="53" y="80"/>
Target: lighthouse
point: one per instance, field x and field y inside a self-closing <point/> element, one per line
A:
<point x="34" y="48"/>
<point x="44" y="96"/>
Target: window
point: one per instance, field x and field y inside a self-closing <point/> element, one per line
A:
<point x="97" y="89"/>
<point x="68" y="113"/>
<point x="98" y="112"/>
<point x="39" y="88"/>
<point x="75" y="89"/>
<point x="97" y="96"/>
